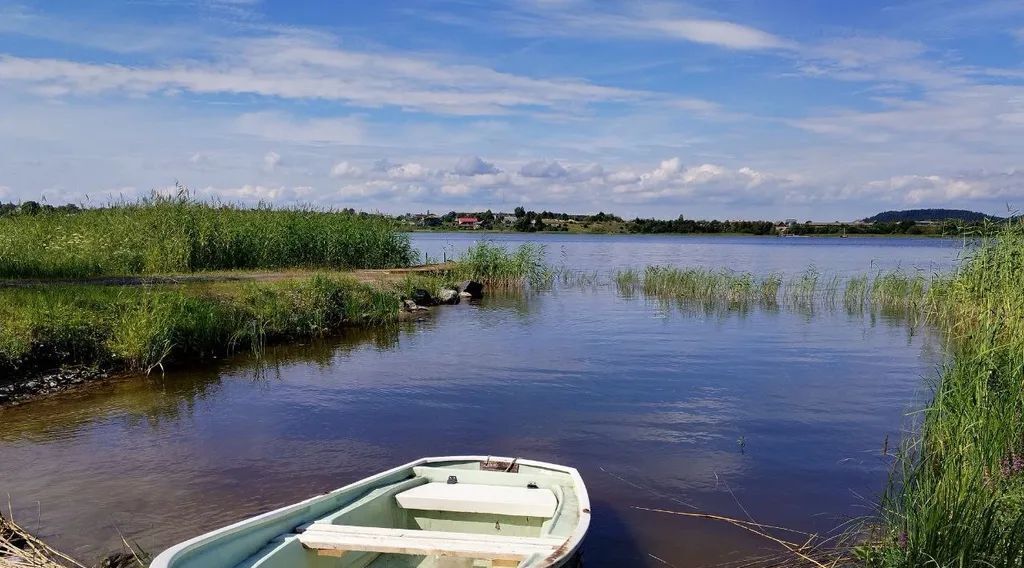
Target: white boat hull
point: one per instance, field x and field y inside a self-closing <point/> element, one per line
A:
<point x="444" y="512"/>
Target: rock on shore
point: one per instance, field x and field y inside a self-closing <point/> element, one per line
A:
<point x="49" y="383"/>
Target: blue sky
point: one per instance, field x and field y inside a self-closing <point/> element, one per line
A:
<point x="730" y="109"/>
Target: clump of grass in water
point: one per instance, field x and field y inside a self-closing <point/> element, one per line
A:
<point x="497" y="267"/>
<point x="178" y="234"/>
<point x="895" y="293"/>
<point x="701" y="285"/>
<point x="800" y="290"/>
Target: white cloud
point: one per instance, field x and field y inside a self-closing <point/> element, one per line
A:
<point x="961" y="189"/>
<point x="714" y="32"/>
<point x="303" y="67"/>
<point x="635" y="20"/>
<point x="543" y="169"/>
<point x="270" y="161"/>
<point x="345" y="170"/>
<point x="409" y="172"/>
<point x="473" y="166"/>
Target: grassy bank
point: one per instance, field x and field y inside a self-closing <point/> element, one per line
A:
<point x="957" y="498"/>
<point x="179" y="235"/>
<point x="138" y="328"/>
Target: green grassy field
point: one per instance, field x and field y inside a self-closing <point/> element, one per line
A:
<point x="164" y="235"/>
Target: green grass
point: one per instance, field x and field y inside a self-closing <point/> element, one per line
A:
<point x="497" y="267"/>
<point x="139" y="328"/>
<point x="179" y="235"/>
<point x="957" y="495"/>
<point x="892" y="292"/>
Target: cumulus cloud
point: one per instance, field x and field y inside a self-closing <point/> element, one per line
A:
<point x="543" y="169"/>
<point x="345" y="169"/>
<point x="473" y="166"/>
<point x="270" y="161"/>
<point x="409" y="172"/>
<point x="917" y="190"/>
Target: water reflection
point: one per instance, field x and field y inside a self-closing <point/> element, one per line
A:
<point x="158" y="399"/>
<point x="659" y="405"/>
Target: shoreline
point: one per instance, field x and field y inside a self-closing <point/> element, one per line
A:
<point x="95" y="329"/>
<point x="724" y="235"/>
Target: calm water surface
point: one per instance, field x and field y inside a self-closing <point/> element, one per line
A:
<point x="785" y="412"/>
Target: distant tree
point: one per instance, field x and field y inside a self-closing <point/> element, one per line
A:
<point x="520" y="212"/>
<point x="30" y="208"/>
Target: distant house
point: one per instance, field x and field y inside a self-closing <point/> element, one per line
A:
<point x="468" y="222"/>
<point x="509" y="219"/>
<point x="426" y="220"/>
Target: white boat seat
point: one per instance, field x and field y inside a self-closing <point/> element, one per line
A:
<point x="470" y="498"/>
<point x="334" y="540"/>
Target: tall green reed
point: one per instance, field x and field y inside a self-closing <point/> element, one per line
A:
<point x="956" y="498"/>
<point x="177" y="235"/>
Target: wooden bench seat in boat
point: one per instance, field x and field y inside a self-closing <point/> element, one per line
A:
<point x="335" y="540"/>
<point x="470" y="498"/>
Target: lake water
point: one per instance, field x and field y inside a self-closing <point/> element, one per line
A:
<point x="780" y="414"/>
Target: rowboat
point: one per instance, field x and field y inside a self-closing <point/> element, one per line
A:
<point x="444" y="512"/>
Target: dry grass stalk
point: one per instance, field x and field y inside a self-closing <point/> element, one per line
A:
<point x="20" y="549"/>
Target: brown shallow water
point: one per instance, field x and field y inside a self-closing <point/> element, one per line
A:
<point x="783" y="411"/>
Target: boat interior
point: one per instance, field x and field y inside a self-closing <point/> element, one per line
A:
<point x="452" y="515"/>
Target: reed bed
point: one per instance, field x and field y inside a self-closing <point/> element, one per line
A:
<point x="498" y="267"/>
<point x="145" y="327"/>
<point x="164" y="235"/>
<point x="956" y="498"/>
<point x="140" y="328"/>
<point x="893" y="292"/>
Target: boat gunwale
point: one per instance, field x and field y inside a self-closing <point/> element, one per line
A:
<point x="167" y="558"/>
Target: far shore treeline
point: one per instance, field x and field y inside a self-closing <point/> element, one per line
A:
<point x="910" y="222"/>
<point x="933" y="222"/>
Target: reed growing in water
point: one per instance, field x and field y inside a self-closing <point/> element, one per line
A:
<point x="957" y="495"/>
<point x="497" y="267"/>
<point x="893" y="292"/>
<point x="163" y="235"/>
<point x="142" y="327"/>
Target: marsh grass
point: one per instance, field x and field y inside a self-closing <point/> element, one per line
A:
<point x="165" y="235"/>
<point x="957" y="493"/>
<point x="895" y="293"/>
<point x="145" y="327"/>
<point x="498" y="267"/>
<point x="141" y="328"/>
